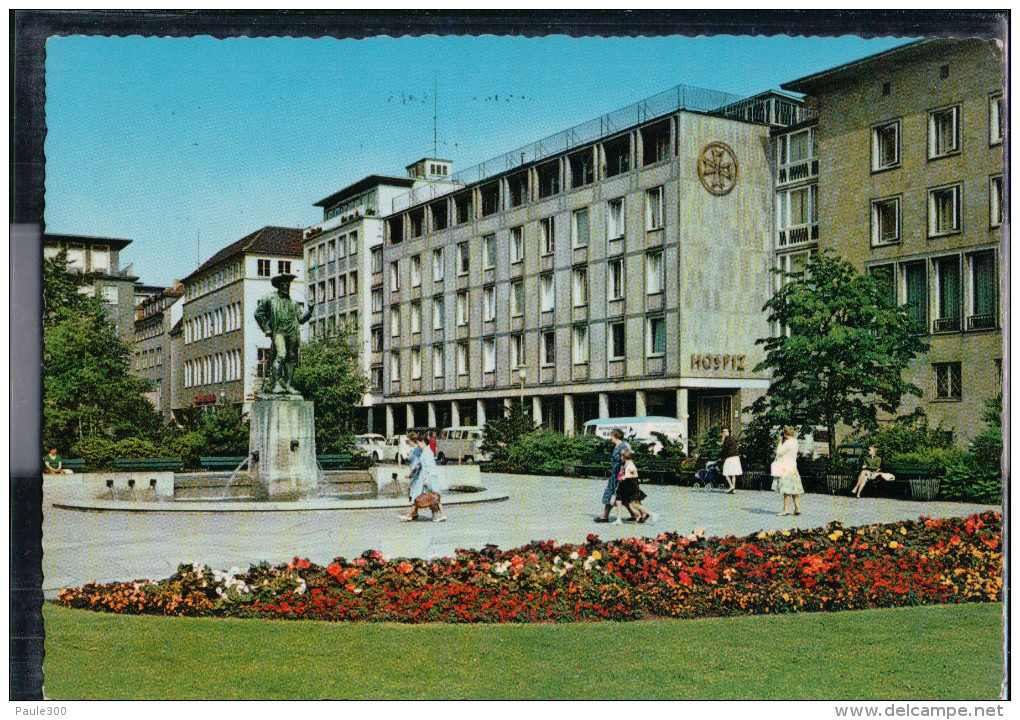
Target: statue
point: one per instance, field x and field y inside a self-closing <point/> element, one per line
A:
<point x="280" y="319"/>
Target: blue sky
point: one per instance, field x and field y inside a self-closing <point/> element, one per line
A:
<point x="160" y="140"/>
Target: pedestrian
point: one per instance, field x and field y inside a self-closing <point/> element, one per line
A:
<point x="784" y="470"/>
<point x="432" y="441"/>
<point x="616" y="464"/>
<point x="413" y="465"/>
<point x="423" y="487"/>
<point x="729" y="455"/>
<point x="53" y="464"/>
<point x="871" y="469"/>
<point x="629" y="493"/>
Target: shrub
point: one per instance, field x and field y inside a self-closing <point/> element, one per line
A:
<point x="908" y="434"/>
<point x="189" y="447"/>
<point x="97" y="452"/>
<point x="963" y="480"/>
<point x="133" y="447"/>
<point x="543" y="452"/>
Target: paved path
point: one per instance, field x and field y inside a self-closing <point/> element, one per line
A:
<point x="106" y="546"/>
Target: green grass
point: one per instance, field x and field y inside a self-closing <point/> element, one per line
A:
<point x="937" y="652"/>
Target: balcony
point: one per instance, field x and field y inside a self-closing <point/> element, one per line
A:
<point x="797" y="171"/>
<point x="948" y="324"/>
<point x="981" y="322"/>
<point x="797" y="235"/>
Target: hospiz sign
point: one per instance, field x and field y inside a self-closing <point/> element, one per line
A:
<point x="734" y="363"/>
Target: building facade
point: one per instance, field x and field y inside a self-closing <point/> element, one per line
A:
<point x="901" y="173"/>
<point x="221" y="347"/>
<point x="154" y="319"/>
<point x="623" y="275"/>
<point x="112" y="286"/>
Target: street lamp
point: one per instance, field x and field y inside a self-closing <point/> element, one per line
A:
<point x="524" y="376"/>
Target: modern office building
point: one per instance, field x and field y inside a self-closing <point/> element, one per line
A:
<point x="222" y="349"/>
<point x="617" y="268"/>
<point x="113" y="286"/>
<point x="899" y="170"/>
<point x="154" y="318"/>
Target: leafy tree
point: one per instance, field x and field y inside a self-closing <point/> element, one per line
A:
<point x="224" y="431"/>
<point x="328" y="373"/>
<point x="501" y="433"/>
<point x="844" y="357"/>
<point x="62" y="291"/>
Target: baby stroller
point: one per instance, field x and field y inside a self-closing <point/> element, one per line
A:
<point x="710" y="477"/>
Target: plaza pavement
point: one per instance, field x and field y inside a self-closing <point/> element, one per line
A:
<point x="80" y="547"/>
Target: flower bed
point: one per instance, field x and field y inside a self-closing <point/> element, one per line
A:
<point x="929" y="561"/>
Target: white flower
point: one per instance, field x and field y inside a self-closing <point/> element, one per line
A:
<point x="573" y="555"/>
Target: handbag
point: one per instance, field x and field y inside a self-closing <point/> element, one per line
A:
<point x="427" y="499"/>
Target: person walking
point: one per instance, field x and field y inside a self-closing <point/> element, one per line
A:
<point x="616" y="464"/>
<point x="413" y="465"/>
<point x="424" y="483"/>
<point x="784" y="469"/>
<point x="629" y="493"/>
<point x="729" y="456"/>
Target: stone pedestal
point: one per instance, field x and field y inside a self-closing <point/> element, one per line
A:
<point x="283" y="435"/>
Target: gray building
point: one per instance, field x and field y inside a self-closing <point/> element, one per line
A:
<point x="154" y="318"/>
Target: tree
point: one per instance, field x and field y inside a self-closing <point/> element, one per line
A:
<point x="225" y="430"/>
<point x="87" y="390"/>
<point x="501" y="433"/>
<point x="328" y="373"/>
<point x="845" y="353"/>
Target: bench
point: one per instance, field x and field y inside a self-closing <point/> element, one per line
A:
<point x="221" y="463"/>
<point x="148" y="464"/>
<point x="76" y="465"/>
<point x="341" y="461"/>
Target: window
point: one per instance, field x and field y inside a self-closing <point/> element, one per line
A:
<point x="580" y="344"/>
<point x="943" y="72"/>
<point x="983" y="298"/>
<point x="548" y="354"/>
<point x="517" y="298"/>
<point x="282" y="266"/>
<point x="437" y="361"/>
<point x="617" y="341"/>
<point x="489" y="355"/>
<point x="439" y="215"/>
<point x="995" y="120"/>
<point x="797" y="215"/>
<point x="579" y="228"/>
<point x="331" y="289"/>
<point x="582" y="167"/>
<point x="885" y="282"/>
<point x="617" y="154"/>
<point x="415" y="317"/>
<point x="321" y="296"/>
<point x="377" y="300"/>
<point x="416" y="363"/>
<point x="885" y="221"/>
<point x="516" y="350"/>
<point x="615" y="227"/>
<point x="915" y="291"/>
<point x="416" y="222"/>
<point x="394" y="366"/>
<point x="946" y="383"/>
<point x="377" y="336"/>
<point x="490" y="198"/>
<point x="655" y="143"/>
<point x="518" y="185"/>
<point x="377" y="377"/>
<point x="394" y="277"/>
<point x="580" y="286"/>
<point x="437" y="264"/>
<point x="462" y="204"/>
<point x="376" y="254"/>
<point x="943" y="132"/>
<point x="353" y="284"/>
<point x="462" y="307"/>
<point x="343" y="245"/>
<point x="438" y="310"/>
<point x="654" y="273"/>
<point x="546" y="228"/>
<point x="995" y="201"/>
<point x="322" y="254"/>
<point x="331" y="248"/>
<point x="885" y="146"/>
<point x="947" y="293"/>
<point x="463" y="259"/>
<point x="265" y="267"/>
<point x="516" y="244"/>
<point x="489" y="303"/>
<point x="548" y="178"/>
<point x="616" y="279"/>
<point x="653" y="208"/>
<point x="488" y="251"/>
<point x="100" y="259"/>
<point x="548" y="293"/>
<point x="943" y="210"/>
<point x="462" y="358"/>
<point x="415" y="270"/>
<point x="110" y="295"/>
<point x="395" y="321"/>
<point x="655" y="333"/>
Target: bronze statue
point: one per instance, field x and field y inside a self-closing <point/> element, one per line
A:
<point x="280" y="319"/>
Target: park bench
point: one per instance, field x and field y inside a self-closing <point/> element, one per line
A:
<point x="336" y="462"/>
<point x="77" y="465"/>
<point x="148" y="464"/>
<point x="221" y="463"/>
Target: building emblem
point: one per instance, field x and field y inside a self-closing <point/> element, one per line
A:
<point x="717" y="168"/>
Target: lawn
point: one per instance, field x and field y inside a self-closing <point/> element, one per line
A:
<point x="931" y="652"/>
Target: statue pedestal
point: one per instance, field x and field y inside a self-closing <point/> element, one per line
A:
<point x="283" y="435"/>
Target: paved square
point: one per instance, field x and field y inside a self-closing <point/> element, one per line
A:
<point x="80" y="547"/>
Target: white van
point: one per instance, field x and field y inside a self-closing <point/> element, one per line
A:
<point x="459" y="444"/>
<point x="640" y="428"/>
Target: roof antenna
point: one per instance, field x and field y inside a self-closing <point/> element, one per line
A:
<point x="435" y="115"/>
<point x="198" y="247"/>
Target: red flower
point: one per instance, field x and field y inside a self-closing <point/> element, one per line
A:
<point x="334" y="570"/>
<point x="404" y="567"/>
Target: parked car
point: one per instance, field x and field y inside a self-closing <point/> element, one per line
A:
<point x="640" y="428"/>
<point x="396" y="449"/>
<point x="460" y="444"/>
<point x="371" y="444"/>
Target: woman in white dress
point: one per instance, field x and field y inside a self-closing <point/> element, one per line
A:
<point x="730" y="457"/>
<point x="784" y="468"/>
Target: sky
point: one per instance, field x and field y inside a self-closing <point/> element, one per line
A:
<point x="185" y="145"/>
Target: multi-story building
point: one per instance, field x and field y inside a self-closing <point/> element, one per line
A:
<point x="222" y="349"/>
<point x="114" y="287"/>
<point x="901" y="173"/>
<point x="617" y="268"/>
<point x="154" y="318"/>
<point x="341" y="253"/>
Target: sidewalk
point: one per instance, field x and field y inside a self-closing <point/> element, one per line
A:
<point x="80" y="547"/>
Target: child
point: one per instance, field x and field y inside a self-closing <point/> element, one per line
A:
<point x="628" y="493"/>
